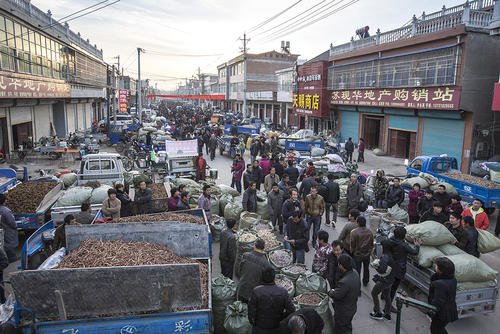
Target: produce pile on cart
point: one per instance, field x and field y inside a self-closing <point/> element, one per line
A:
<point x="19" y="202"/>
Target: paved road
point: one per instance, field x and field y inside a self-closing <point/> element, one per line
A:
<point x="414" y="321"/>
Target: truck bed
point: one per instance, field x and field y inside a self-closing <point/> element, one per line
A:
<point x="469" y="191"/>
<point x="469" y="302"/>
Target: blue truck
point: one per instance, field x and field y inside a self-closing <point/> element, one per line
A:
<point x="445" y="169"/>
<point x="153" y="293"/>
<point x="8" y="179"/>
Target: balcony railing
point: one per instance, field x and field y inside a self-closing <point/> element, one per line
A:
<point x="45" y="20"/>
<point x="472" y="14"/>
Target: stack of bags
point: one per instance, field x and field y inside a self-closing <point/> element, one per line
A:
<point x="437" y="241"/>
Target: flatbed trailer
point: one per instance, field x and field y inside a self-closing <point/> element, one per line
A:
<point x="134" y="299"/>
<point x="8" y="179"/>
<point x="470" y="302"/>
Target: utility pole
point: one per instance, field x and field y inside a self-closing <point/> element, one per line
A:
<point x="245" y="49"/>
<point x="139" y="84"/>
<point x="114" y="93"/>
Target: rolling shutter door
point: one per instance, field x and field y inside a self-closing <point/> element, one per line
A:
<point x="406" y="123"/>
<point x="350" y="125"/>
<point x="443" y="136"/>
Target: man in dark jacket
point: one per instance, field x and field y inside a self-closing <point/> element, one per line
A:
<point x="212" y="145"/>
<point x="354" y="192"/>
<point x="143" y="198"/>
<point x="254" y="149"/>
<point x="227" y="254"/>
<point x="251" y="267"/>
<point x="183" y="203"/>
<point x="345" y="296"/>
<point x="250" y="198"/>
<point x="4" y="263"/>
<point x="297" y="237"/>
<point x="257" y="176"/>
<point x="361" y="248"/>
<point x="384" y="278"/>
<point x="471" y="236"/>
<point x="400" y="251"/>
<point x="425" y="202"/>
<point x="275" y="203"/>
<point x="442" y="294"/>
<point x="442" y="196"/>
<point x="333" y="274"/>
<point x="394" y="194"/>
<point x="284" y="186"/>
<point x="306" y="185"/>
<point x="305" y="320"/>
<point x="292" y="172"/>
<point x="290" y="206"/>
<point x="247" y="177"/>
<point x="268" y="305"/>
<point x="85" y="216"/>
<point x="331" y="201"/>
<point x="278" y="166"/>
<point x="9" y="226"/>
<point x="456" y="228"/>
<point x="436" y="214"/>
<point x="349" y="149"/>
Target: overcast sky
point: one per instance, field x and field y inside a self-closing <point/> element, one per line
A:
<point x="212" y="28"/>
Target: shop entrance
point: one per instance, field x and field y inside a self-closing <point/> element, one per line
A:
<point x="402" y="144"/>
<point x="20" y="133"/>
<point x="4" y="138"/>
<point x="302" y="122"/>
<point x="371" y="131"/>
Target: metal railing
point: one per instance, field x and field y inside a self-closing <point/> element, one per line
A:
<point x="46" y="21"/>
<point x="472" y="14"/>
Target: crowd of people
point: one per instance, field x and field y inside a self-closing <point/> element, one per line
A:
<point x="297" y="215"/>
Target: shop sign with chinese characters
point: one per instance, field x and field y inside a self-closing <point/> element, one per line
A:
<point x="25" y="88"/>
<point x="122" y="99"/>
<point x="437" y="98"/>
<point x="306" y="103"/>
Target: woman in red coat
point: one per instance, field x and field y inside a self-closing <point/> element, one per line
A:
<point x="476" y="211"/>
<point x="201" y="167"/>
<point x="415" y="194"/>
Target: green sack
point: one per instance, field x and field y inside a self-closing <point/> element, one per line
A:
<point x="487" y="242"/>
<point x="245" y="240"/>
<point x="224" y="189"/>
<point x="280" y="258"/>
<point x="264" y="210"/>
<point x="236" y="321"/>
<point x="233" y="210"/>
<point x="74" y="196"/>
<point x="415" y="180"/>
<point x="448" y="249"/>
<point x="217" y="225"/>
<point x="310" y="282"/>
<point x="248" y="220"/>
<point x="286" y="283"/>
<point x="427" y="254"/>
<point x="137" y="179"/>
<point x="68" y="179"/>
<point x="463" y="286"/>
<point x="214" y="208"/>
<point x="223" y="294"/>
<point x="321" y="307"/>
<point x="471" y="269"/>
<point x="430" y="232"/>
<point x="293" y="271"/>
<point x="223" y="200"/>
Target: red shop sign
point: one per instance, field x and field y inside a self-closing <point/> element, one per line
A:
<point x="439" y="98"/>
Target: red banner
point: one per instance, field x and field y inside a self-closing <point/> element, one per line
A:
<point x="496" y="98"/>
<point x="32" y="87"/>
<point x="440" y="98"/>
<point x="217" y="97"/>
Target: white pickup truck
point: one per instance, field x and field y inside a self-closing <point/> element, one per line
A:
<point x="107" y="168"/>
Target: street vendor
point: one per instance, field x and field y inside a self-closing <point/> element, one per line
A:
<point x="60" y="235"/>
<point x="112" y="205"/>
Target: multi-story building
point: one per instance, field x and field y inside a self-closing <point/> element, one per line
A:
<point x="311" y="99"/>
<point x="261" y="82"/>
<point x="52" y="80"/>
<point x="424" y="88"/>
<point x="284" y="96"/>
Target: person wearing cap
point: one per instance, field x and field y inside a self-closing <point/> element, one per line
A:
<point x="436" y="214"/>
<point x="250" y="270"/>
<point x="476" y="211"/>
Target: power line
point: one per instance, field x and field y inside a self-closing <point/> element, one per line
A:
<point x="309" y="16"/>
<point x="293" y="18"/>
<point x="273" y="17"/>
<point x="316" y="20"/>
<point x="68" y="20"/>
<point x="158" y="53"/>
